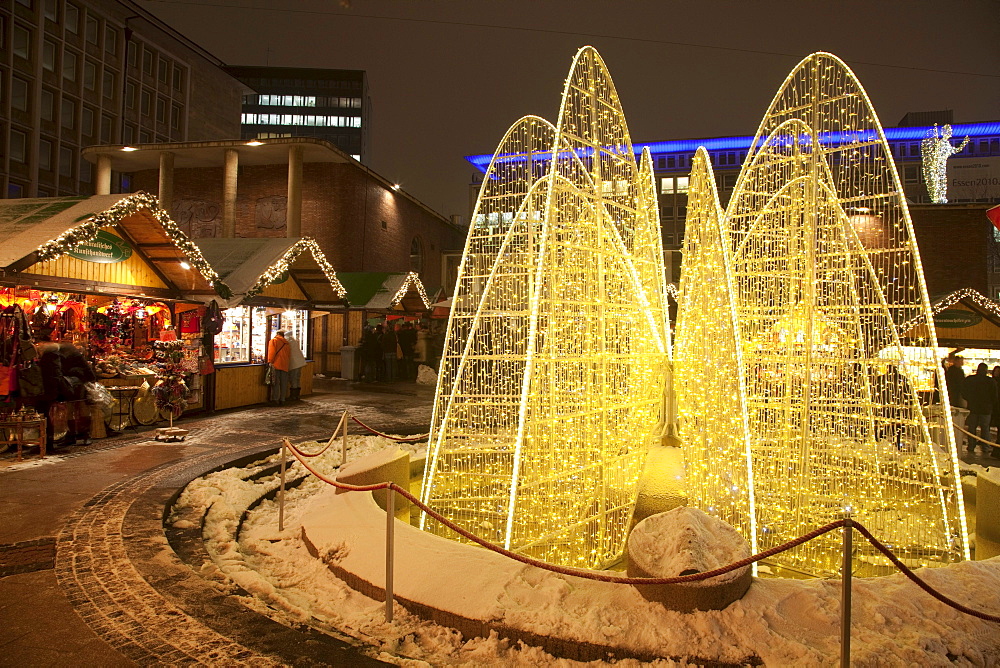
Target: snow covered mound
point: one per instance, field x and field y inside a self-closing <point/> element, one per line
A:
<point x="685" y="541"/>
<point x="426" y="375"/>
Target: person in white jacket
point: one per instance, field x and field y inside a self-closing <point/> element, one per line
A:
<point x="296" y="360"/>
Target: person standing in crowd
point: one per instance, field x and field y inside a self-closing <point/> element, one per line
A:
<point x="278" y="356"/>
<point x="370" y="354"/>
<point x="296" y="361"/>
<point x="954" y="376"/>
<point x="995" y="418"/>
<point x="407" y="346"/>
<point x="980" y="394"/>
<point x="388" y="345"/>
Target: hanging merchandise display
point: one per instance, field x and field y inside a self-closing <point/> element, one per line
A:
<point x="170" y="390"/>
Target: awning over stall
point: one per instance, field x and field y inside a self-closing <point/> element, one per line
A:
<point x="109" y="244"/>
<point x="280" y="270"/>
<point x="963" y="319"/>
<point x="379" y="291"/>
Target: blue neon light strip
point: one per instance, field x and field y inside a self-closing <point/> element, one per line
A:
<point x="685" y="146"/>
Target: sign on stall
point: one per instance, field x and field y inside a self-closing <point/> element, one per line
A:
<point x="106" y="248"/>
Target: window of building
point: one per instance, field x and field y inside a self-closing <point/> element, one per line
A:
<point x="671" y="162"/>
<point x="125" y="183"/>
<point x="416" y="255"/>
<point x="178" y="78"/>
<point x="130" y="54"/>
<point x="86" y="172"/>
<point x="48" y="55"/>
<point x="47" y="111"/>
<point x="145" y="137"/>
<point x="50" y="10"/>
<point x="107" y="125"/>
<point x="93" y="29"/>
<point x="68" y="113"/>
<point x="145" y="102"/>
<point x="128" y="137"/>
<point x="69" y="65"/>
<point x="71" y="18"/>
<point x="162" y="70"/>
<point x="26" y="3"/>
<point x="66" y="161"/>
<point x="110" y="39"/>
<point x="129" y="95"/>
<point x="18" y="142"/>
<point x="161" y="110"/>
<point x="18" y="94"/>
<point x="21" y="41"/>
<point x="14" y="190"/>
<point x="89" y="75"/>
<point x="87" y="122"/>
<point x="673" y="184"/>
<point x="175" y="117"/>
<point x="45" y="155"/>
<point x="147" y="61"/>
<point x="108" y="87"/>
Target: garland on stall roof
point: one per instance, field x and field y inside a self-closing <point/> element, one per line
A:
<point x="411" y="278"/>
<point x="985" y="303"/>
<point x="275" y="271"/>
<point x="120" y="210"/>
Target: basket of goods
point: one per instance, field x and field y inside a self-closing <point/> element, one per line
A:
<point x="106" y="368"/>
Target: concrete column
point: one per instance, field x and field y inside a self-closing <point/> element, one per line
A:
<point x="293" y="209"/>
<point x="102" y="181"/>
<point x="229" y="186"/>
<point x="166" y="189"/>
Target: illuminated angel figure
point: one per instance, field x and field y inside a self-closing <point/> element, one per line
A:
<point x="552" y="377"/>
<point x="935" y="151"/>
<point x="810" y="423"/>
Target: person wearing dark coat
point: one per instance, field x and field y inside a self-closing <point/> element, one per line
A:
<point x="995" y="417"/>
<point x="954" y="376"/>
<point x="407" y="337"/>
<point x="388" y="345"/>
<point x="76" y="370"/>
<point x="980" y="394"/>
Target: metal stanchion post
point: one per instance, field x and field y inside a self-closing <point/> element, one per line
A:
<point x="390" y="520"/>
<point x="343" y="446"/>
<point x="281" y="490"/>
<point x="845" y="595"/>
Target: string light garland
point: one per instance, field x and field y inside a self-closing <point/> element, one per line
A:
<point x="794" y="402"/>
<point x="935" y="150"/>
<point x="411" y="279"/>
<point x="123" y="208"/>
<point x="983" y="302"/>
<point x="552" y="378"/>
<point x="281" y="267"/>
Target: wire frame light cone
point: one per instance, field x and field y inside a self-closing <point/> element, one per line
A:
<point x="824" y="277"/>
<point x="551" y="381"/>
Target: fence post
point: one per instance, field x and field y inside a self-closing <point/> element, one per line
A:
<point x="390" y="521"/>
<point x="281" y="490"/>
<point x="343" y="445"/>
<point x="845" y="594"/>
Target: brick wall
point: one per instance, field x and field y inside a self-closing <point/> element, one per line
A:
<point x="954" y="242"/>
<point x="343" y="208"/>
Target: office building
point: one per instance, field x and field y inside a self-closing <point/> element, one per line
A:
<point x="80" y="72"/>
<point x="332" y="105"/>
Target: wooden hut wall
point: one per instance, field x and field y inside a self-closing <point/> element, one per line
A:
<point x="328" y="337"/>
<point x="286" y="290"/>
<point x="133" y="271"/>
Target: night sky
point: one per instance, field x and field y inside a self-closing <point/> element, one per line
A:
<point x="448" y="77"/>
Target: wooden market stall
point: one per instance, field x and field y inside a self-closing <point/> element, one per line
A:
<point x="110" y="274"/>
<point x="370" y="296"/>
<point x="276" y="284"/>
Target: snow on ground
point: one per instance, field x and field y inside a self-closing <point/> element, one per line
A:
<point x="784" y="622"/>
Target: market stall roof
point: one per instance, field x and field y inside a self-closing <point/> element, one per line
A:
<point x="34" y="232"/>
<point x="380" y="291"/>
<point x="264" y="267"/>
<point x="963" y="319"/>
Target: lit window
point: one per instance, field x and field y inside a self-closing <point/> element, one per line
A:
<point x="667" y="185"/>
<point x="682" y="184"/>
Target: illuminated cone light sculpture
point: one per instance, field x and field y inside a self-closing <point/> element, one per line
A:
<point x="552" y="377"/>
<point x="794" y="401"/>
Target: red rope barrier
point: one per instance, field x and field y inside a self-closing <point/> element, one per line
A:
<point x="409" y="439"/>
<point x="694" y="577"/>
<point x="307" y="454"/>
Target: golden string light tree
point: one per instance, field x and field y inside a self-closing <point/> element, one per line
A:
<point x="823" y="276"/>
<point x="552" y="377"/>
